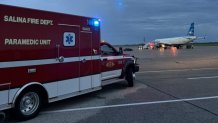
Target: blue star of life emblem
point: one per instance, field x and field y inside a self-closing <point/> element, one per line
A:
<point x="69" y="39"/>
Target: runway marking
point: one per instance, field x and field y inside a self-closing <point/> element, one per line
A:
<point x="131" y="104"/>
<point x="209" y="77"/>
<point x="159" y="71"/>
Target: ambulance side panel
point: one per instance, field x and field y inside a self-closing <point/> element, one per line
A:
<point x="53" y="49"/>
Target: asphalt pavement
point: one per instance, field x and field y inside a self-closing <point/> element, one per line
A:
<point x="172" y="86"/>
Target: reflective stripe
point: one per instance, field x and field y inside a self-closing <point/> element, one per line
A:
<point x="111" y="74"/>
<point x="44" y="61"/>
<point x="115" y="57"/>
<point x="96" y="57"/>
<point x="112" y="57"/>
<point x="56" y="89"/>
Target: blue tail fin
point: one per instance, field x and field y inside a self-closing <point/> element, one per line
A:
<point x="191" y="31"/>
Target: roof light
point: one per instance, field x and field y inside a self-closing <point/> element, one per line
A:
<point x="94" y="22"/>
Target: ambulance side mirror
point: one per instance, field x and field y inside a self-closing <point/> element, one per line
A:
<point x="120" y="50"/>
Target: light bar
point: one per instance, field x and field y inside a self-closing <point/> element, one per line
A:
<point x="94" y="22"/>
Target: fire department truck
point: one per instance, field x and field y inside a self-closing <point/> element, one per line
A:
<point x="47" y="57"/>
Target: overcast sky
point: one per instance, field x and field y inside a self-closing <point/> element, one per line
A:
<point x="129" y="21"/>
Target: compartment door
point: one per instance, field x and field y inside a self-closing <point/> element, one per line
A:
<point x="68" y="58"/>
<point x="85" y="60"/>
<point x="4" y="93"/>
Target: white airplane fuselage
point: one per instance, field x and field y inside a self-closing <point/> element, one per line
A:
<point x="176" y="40"/>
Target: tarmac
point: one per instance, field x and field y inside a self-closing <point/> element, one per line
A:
<point x="173" y="85"/>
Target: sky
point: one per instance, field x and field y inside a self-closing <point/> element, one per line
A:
<point x="132" y="21"/>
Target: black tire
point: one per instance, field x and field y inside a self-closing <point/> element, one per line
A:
<point x="189" y="46"/>
<point x="2" y="117"/>
<point x="130" y="77"/>
<point x="28" y="105"/>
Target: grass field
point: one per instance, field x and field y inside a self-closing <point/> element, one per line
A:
<point x="195" y="44"/>
<point x="206" y="44"/>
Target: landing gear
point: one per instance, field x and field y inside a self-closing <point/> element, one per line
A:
<point x="189" y="46"/>
<point x="179" y="46"/>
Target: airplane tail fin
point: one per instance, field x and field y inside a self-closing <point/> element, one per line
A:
<point x="191" y="31"/>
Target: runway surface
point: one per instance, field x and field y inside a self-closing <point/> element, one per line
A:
<point x="172" y="86"/>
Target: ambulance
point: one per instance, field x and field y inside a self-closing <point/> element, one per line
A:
<point x="47" y="57"/>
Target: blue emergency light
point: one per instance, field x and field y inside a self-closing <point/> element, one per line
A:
<point x="94" y="22"/>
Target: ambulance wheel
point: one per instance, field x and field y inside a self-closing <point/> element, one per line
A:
<point x="28" y="105"/>
<point x="130" y="76"/>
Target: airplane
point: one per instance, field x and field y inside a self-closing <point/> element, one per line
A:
<point x="178" y="42"/>
<point x="149" y="45"/>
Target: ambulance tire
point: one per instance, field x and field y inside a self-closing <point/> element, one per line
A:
<point x="28" y="105"/>
<point x="130" y="77"/>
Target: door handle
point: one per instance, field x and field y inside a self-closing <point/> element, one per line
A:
<point x="61" y="59"/>
<point x="83" y="60"/>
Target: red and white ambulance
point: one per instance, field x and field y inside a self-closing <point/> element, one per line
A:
<point x="47" y="56"/>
